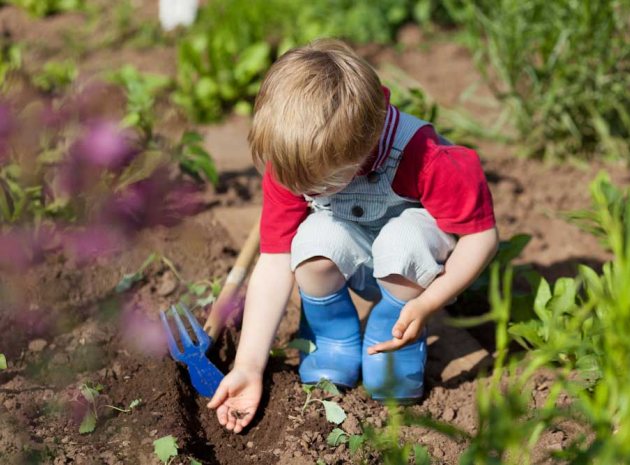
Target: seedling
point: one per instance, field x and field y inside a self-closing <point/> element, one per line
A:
<point x="334" y="413"/>
<point x="339" y="436"/>
<point x="132" y="405"/>
<point x="55" y="76"/>
<point x="166" y="448"/>
<point x="90" y="394"/>
<point x="303" y="345"/>
<point x="195" y="160"/>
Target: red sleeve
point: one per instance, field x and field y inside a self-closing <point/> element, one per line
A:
<point x="282" y="213"/>
<point x="454" y="190"/>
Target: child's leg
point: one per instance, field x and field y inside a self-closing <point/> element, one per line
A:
<point x="330" y="320"/>
<point x="325" y="253"/>
<point x="399" y="374"/>
<point x="408" y="254"/>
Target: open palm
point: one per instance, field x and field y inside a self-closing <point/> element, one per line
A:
<point x="237" y="399"/>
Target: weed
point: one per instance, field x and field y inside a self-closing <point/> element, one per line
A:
<point x="90" y="394"/>
<point x="165" y="448"/>
<point x="55" y="76"/>
<point x="560" y="68"/>
<point x="141" y="90"/>
<point x="132" y="405"/>
<point x="49" y="7"/>
<point x="334" y="412"/>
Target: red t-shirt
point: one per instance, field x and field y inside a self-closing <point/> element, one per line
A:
<point x="447" y="180"/>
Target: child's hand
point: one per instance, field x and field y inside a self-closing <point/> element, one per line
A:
<point x="407" y="329"/>
<point x="237" y="398"/>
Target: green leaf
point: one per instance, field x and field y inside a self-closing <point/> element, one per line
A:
<point x="336" y="437"/>
<point x="194" y="462"/>
<point x="355" y="442"/>
<point x="88" y="423"/>
<point x="206" y="300"/>
<point x="191" y="137"/>
<point x="303" y="345"/>
<point x="543" y="296"/>
<point x="165" y="448"/>
<point x="421" y="455"/>
<point x="127" y="282"/>
<point x="135" y="403"/>
<point x="334" y="413"/>
<point x="198" y="288"/>
<point x="327" y="386"/>
<point x="3" y="362"/>
<point x="308" y="388"/>
<point x="277" y="352"/>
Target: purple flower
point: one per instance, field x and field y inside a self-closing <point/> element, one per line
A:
<point x="92" y="242"/>
<point x="105" y="145"/>
<point x="142" y="333"/>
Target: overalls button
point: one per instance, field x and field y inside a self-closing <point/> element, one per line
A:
<point x="372" y="177"/>
<point x="357" y="211"/>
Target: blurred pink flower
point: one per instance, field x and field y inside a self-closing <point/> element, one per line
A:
<point x="91" y="242"/>
<point x="155" y="201"/>
<point x="142" y="334"/>
<point x="6" y="126"/>
<point x="23" y="247"/>
<point x="104" y="144"/>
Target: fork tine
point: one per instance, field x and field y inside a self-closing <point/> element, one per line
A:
<point x="183" y="332"/>
<point x="202" y="337"/>
<point x="172" y="345"/>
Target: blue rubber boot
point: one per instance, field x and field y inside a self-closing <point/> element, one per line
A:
<point x="332" y="324"/>
<point x="392" y="375"/>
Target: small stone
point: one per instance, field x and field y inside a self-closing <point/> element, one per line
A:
<point x="167" y="285"/>
<point x="449" y="414"/>
<point x="65" y="440"/>
<point x="250" y="444"/>
<point x="37" y="345"/>
<point x="153" y="432"/>
<point x="297" y="453"/>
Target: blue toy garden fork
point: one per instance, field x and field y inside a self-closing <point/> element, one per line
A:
<point x="205" y="377"/>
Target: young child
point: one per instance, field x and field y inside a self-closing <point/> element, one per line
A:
<point x="356" y="195"/>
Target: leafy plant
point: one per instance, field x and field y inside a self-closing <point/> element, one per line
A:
<point x="48" y="7"/>
<point x="339" y="436"/>
<point x="10" y="59"/>
<point x="223" y="58"/>
<point x="55" y="76"/>
<point x="132" y="405"/>
<point x="165" y="448"/>
<point x="303" y="345"/>
<point x="560" y="68"/>
<point x="194" y="159"/>
<point x="141" y="90"/>
<point x="334" y="412"/>
<point x="90" y="394"/>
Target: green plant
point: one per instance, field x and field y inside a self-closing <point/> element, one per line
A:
<point x="90" y="394"/>
<point x="222" y="60"/>
<point x="141" y="90"/>
<point x="55" y="76"/>
<point x="48" y="7"/>
<point x="561" y="69"/>
<point x="165" y="448"/>
<point x="334" y="412"/>
<point x="3" y="362"/>
<point x="194" y="159"/>
<point x="132" y="405"/>
<point x="339" y="436"/>
<point x="303" y="345"/>
<point x="198" y="293"/>
<point x="10" y="59"/>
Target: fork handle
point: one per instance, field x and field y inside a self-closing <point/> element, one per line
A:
<point x="216" y="319"/>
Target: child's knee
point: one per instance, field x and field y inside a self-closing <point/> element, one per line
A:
<point x="319" y="276"/>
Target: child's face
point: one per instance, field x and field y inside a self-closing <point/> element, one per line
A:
<point x="343" y="177"/>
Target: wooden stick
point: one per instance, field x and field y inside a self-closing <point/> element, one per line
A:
<point x="216" y="319"/>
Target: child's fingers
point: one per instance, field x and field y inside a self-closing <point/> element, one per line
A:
<point x="241" y="424"/>
<point x="231" y="419"/>
<point x="386" y="346"/>
<point x="222" y="415"/>
<point x="219" y="396"/>
<point x="404" y="320"/>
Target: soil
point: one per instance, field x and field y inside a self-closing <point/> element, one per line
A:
<point x="63" y="325"/>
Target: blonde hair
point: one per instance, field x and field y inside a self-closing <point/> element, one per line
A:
<point x="319" y="112"/>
